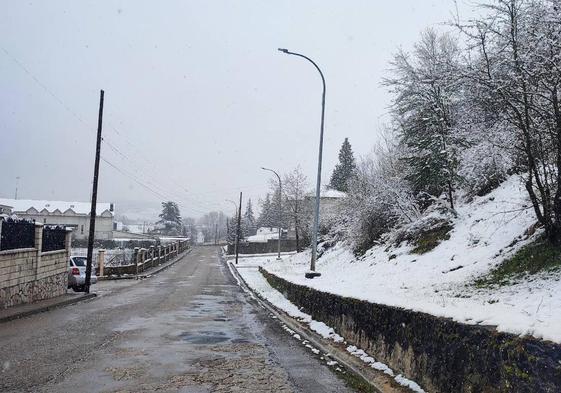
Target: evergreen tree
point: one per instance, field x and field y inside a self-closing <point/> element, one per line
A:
<point x="345" y="169"/>
<point x="170" y="219"/>
<point x="277" y="217"/>
<point x="266" y="218"/>
<point x="248" y="221"/>
<point x="427" y="90"/>
<point x="231" y="230"/>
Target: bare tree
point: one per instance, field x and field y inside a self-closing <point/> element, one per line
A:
<point x="517" y="65"/>
<point x="295" y="184"/>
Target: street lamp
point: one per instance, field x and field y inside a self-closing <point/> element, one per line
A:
<point x="312" y="273"/>
<point x="280" y="209"/>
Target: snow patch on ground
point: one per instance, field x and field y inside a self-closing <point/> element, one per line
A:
<point x="440" y="281"/>
<point x="400" y="379"/>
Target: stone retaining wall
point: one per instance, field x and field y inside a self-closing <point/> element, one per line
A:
<point x="438" y="353"/>
<point x="29" y="275"/>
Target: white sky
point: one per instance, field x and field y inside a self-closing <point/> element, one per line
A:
<point x="197" y="98"/>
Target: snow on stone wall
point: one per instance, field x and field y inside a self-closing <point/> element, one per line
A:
<point x="438" y="353"/>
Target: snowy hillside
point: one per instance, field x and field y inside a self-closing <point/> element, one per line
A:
<point x="441" y="281"/>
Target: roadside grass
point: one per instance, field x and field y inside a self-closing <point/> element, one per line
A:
<point x="537" y="257"/>
<point x="428" y="240"/>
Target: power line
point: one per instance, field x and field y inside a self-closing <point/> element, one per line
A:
<point x="189" y="195"/>
<point x="158" y="193"/>
<point x="73" y="113"/>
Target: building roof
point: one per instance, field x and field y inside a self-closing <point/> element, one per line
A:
<point x="23" y="205"/>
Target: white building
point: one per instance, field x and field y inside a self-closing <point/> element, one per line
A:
<point x="329" y="205"/>
<point x="329" y="200"/>
<point x="69" y="214"/>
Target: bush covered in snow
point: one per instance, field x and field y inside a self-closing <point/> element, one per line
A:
<point x="379" y="198"/>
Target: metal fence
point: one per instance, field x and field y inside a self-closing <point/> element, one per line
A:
<point x="114" y="257"/>
<point x="16" y="234"/>
<point x="54" y="238"/>
<point x="119" y="259"/>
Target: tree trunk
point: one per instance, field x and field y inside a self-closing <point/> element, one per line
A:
<point x="297" y="240"/>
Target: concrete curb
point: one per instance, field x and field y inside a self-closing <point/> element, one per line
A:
<point x="49" y="307"/>
<point x="148" y="274"/>
<point x="378" y="381"/>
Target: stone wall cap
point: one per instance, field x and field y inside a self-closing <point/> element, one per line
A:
<point x="63" y="250"/>
<point x="17" y="250"/>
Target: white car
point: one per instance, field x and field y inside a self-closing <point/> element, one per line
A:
<point x="77" y="273"/>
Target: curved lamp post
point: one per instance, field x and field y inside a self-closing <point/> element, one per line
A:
<point x="312" y="273"/>
<point x="280" y="209"/>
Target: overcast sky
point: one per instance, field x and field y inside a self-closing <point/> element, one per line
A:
<point x="197" y="97"/>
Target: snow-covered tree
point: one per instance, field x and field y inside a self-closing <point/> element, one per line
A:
<point x="213" y="226"/>
<point x="266" y="217"/>
<point x="345" y="168"/>
<point x="379" y="198"/>
<point x="427" y="93"/>
<point x="278" y="213"/>
<point x="190" y="225"/>
<point x="295" y="184"/>
<point x="170" y="219"/>
<point x="516" y="57"/>
<point x="249" y="224"/>
<point x="231" y="228"/>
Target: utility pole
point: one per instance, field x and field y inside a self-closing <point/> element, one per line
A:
<point x="94" y="195"/>
<point x="17" y="184"/>
<point x="238" y="229"/>
<point x="215" y="234"/>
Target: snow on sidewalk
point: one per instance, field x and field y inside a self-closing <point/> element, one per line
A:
<point x="254" y="279"/>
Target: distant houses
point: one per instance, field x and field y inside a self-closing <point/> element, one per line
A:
<point x="75" y="215"/>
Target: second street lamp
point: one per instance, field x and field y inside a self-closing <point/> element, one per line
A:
<point x="312" y="273"/>
<point x="280" y="210"/>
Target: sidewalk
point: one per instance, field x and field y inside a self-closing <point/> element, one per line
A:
<point x="26" y="310"/>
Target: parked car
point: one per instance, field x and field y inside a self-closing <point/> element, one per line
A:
<point x="77" y="273"/>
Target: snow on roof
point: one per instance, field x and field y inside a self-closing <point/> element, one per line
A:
<point x="22" y="205"/>
<point x="327" y="192"/>
<point x="262" y="238"/>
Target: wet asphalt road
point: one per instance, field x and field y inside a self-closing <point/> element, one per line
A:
<point x="188" y="329"/>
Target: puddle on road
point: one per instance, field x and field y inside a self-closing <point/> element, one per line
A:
<point x="240" y="341"/>
<point x="204" y="337"/>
